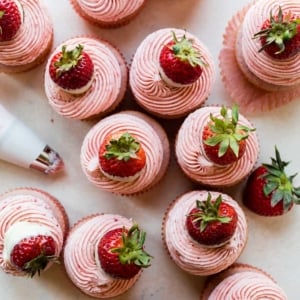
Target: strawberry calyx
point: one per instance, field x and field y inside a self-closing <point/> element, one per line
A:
<point x="184" y="50"/>
<point x="39" y="263"/>
<point x="282" y="28"/>
<point x="279" y="185"/>
<point x="208" y="212"/>
<point x="132" y="248"/>
<point x="227" y="132"/>
<point x="123" y="148"/>
<point x="68" y="60"/>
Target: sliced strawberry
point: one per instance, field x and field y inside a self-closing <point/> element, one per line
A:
<point x="269" y="191"/>
<point x="224" y="139"/>
<point x="280" y="35"/>
<point x="212" y="223"/>
<point x="121" y="252"/>
<point x="180" y="61"/>
<point x="72" y="70"/>
<point x="122" y="156"/>
<point x="33" y="254"/>
<point x="10" y="20"/>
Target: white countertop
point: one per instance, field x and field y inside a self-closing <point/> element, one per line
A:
<point x="273" y="243"/>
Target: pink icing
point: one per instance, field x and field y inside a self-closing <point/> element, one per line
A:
<point x="147" y="131"/>
<point x="109" y="11"/>
<point x="32" y="39"/>
<point x="108" y="87"/>
<point x="30" y="206"/>
<point x="152" y="93"/>
<point x="276" y="72"/>
<point x="247" y="285"/>
<point x="80" y="258"/>
<point x="189" y="254"/>
<point x="191" y="158"/>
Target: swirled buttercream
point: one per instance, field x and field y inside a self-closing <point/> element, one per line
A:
<point x="22" y="206"/>
<point x="243" y="282"/>
<point x="32" y="41"/>
<point x="152" y="93"/>
<point x="285" y="72"/>
<point x="108" y="86"/>
<point x="188" y="254"/>
<point x="106" y="11"/>
<point x="191" y="158"/>
<point x="81" y="261"/>
<point x="148" y="132"/>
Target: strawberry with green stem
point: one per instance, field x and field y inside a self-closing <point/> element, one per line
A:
<point x="72" y="70"/>
<point x="180" y="62"/>
<point x="10" y="19"/>
<point x="212" y="223"/>
<point x="122" y="156"/>
<point x="269" y="191"/>
<point x="280" y="35"/>
<point x="224" y="139"/>
<point x="32" y="254"/>
<point x="121" y="252"/>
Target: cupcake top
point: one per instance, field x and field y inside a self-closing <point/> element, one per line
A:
<point x="109" y="71"/>
<point x="245" y="282"/>
<point x="81" y="262"/>
<point x="146" y="131"/>
<point x="283" y="72"/>
<point x="193" y="161"/>
<point x="108" y="11"/>
<point x="34" y="33"/>
<point x="190" y="255"/>
<point x="152" y="93"/>
<point x="26" y="213"/>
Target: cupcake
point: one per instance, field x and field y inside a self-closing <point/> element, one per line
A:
<point x="260" y="72"/>
<point x="26" y="35"/>
<point x="242" y="281"/>
<point x="85" y="77"/>
<point x="33" y="228"/>
<point x="106" y="13"/>
<point x="204" y="232"/>
<point x="90" y="263"/>
<point x="125" y="153"/>
<point x="172" y="73"/>
<point x="216" y="146"/>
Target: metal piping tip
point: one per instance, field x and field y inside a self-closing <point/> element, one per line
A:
<point x="48" y="162"/>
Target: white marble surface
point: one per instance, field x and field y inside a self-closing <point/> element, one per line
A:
<point x="273" y="244"/>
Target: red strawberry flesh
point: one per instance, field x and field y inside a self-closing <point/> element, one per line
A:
<point x="10" y="20"/>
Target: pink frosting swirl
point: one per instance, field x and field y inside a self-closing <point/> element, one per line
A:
<point x="108" y="87"/>
<point x="29" y="206"/>
<point x="80" y="256"/>
<point x="188" y="254"/>
<point x="279" y="72"/>
<point x="191" y="156"/>
<point x="152" y="93"/>
<point x="247" y="285"/>
<point x="109" y="11"/>
<point x="147" y="131"/>
<point x="33" y="37"/>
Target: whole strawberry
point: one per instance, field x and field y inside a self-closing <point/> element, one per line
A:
<point x="10" y="20"/>
<point x="280" y="35"/>
<point x="122" y="157"/>
<point x="180" y="62"/>
<point x="121" y="252"/>
<point x="72" y="70"/>
<point x="269" y="191"/>
<point x="32" y="254"/>
<point x="224" y="139"/>
<point x="212" y="223"/>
